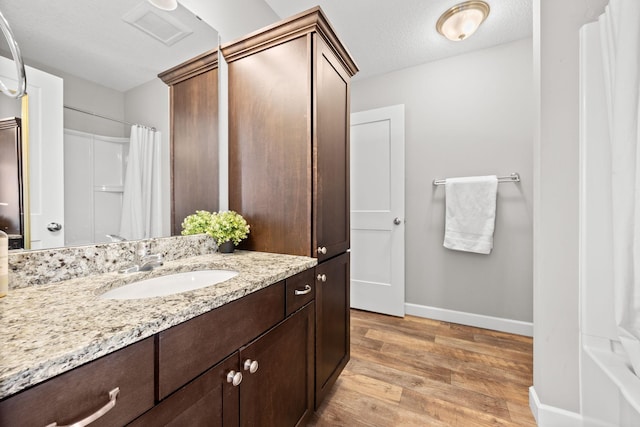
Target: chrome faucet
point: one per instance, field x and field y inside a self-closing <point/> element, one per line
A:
<point x="143" y="260"/>
<point x="149" y="262"/>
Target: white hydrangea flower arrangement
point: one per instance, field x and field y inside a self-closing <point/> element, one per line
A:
<point x="226" y="226"/>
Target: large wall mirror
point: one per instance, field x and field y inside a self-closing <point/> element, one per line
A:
<point x="92" y="74"/>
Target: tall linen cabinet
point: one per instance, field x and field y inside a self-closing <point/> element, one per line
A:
<point x="289" y="89"/>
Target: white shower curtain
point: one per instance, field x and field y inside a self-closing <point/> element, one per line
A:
<point x="141" y="201"/>
<point x="620" y="37"/>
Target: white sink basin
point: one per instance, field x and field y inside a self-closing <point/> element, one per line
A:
<point x="169" y="284"/>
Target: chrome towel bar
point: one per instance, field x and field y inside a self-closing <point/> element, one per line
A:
<point x="514" y="177"/>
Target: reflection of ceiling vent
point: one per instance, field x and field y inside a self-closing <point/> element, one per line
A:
<point x="159" y="25"/>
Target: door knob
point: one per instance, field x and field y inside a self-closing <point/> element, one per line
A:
<point x="322" y="250"/>
<point x="397" y="221"/>
<point x="322" y="277"/>
<point x="54" y="226"/>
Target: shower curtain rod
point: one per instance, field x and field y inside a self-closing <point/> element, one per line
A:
<point x="514" y="177"/>
<point x="108" y="118"/>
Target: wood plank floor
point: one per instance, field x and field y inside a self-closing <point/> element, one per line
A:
<point x="422" y="372"/>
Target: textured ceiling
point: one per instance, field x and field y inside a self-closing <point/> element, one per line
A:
<point x="385" y="35"/>
<point x="88" y="38"/>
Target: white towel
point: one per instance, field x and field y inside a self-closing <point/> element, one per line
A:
<point x="470" y="213"/>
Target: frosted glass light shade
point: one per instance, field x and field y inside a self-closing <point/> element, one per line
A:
<point x="165" y="4"/>
<point x="462" y="20"/>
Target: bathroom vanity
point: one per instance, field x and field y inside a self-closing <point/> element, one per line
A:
<point x="228" y="354"/>
<point x="262" y="348"/>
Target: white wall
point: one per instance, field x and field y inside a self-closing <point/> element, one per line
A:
<point x="465" y="115"/>
<point x="556" y="322"/>
<point x="90" y="96"/>
<point x="233" y="19"/>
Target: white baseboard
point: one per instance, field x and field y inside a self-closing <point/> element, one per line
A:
<point x="550" y="416"/>
<point x="471" y="319"/>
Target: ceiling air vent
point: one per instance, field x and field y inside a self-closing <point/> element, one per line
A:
<point x="157" y="24"/>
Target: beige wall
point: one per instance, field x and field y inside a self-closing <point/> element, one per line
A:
<point x="465" y="115"/>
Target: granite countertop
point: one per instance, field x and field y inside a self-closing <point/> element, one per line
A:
<point x="50" y="329"/>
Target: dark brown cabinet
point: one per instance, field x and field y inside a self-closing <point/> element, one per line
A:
<point x="289" y="136"/>
<point x="209" y="400"/>
<point x="87" y="391"/>
<point x="266" y="377"/>
<point x="194" y="136"/>
<point x="289" y="161"/>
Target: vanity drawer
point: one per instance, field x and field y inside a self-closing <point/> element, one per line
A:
<point x="301" y="289"/>
<point x="190" y="348"/>
<point x="83" y="391"/>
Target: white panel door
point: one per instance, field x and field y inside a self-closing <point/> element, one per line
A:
<point x="46" y="179"/>
<point x="377" y="210"/>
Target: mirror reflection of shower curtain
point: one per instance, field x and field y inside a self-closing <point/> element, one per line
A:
<point x="620" y="38"/>
<point x="141" y="201"/>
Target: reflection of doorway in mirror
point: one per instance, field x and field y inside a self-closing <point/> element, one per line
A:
<point x="45" y="153"/>
<point x="94" y="168"/>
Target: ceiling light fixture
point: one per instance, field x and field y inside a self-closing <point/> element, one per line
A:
<point x="165" y="4"/>
<point x="462" y="20"/>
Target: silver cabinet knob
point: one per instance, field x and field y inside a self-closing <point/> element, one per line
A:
<point x="322" y="277"/>
<point x="397" y="221"/>
<point x="251" y="366"/>
<point x="54" y="226"/>
<point x="234" y="378"/>
<point x="322" y="250"/>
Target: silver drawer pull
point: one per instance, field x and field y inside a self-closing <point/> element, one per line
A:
<point x="113" y="394"/>
<point x="306" y="290"/>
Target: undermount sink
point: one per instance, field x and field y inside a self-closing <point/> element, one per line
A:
<point x="170" y="284"/>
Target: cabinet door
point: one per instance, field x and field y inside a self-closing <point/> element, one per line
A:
<point x="280" y="392"/>
<point x="332" y="322"/>
<point x="209" y="400"/>
<point x="269" y="146"/>
<point x="331" y="164"/>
